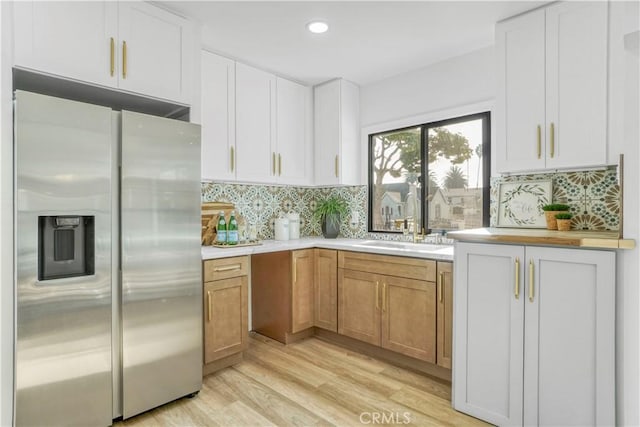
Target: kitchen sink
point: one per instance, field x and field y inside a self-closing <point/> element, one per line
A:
<point x="405" y="246"/>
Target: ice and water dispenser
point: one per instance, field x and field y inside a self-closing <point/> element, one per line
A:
<point x="65" y="246"/>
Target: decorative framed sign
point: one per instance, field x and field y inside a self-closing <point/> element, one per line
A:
<point x="520" y="203"/>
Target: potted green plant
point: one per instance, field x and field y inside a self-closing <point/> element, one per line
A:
<point x="328" y="212"/>
<point x="564" y="221"/>
<point x="550" y="212"/>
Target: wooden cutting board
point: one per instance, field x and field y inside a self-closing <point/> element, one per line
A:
<point x="209" y="214"/>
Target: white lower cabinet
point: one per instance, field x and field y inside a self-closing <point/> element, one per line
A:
<point x="534" y="335"/>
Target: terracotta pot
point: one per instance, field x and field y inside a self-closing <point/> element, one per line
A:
<point x="550" y="216"/>
<point x="564" y="224"/>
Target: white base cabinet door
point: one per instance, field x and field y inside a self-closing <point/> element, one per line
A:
<point x="488" y="332"/>
<point x="569" y="363"/>
<point x="534" y="335"/>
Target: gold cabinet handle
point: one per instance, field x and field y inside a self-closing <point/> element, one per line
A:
<point x="377" y="296"/>
<point x="231" y="267"/>
<point x="441" y="286"/>
<point x="336" y="166"/>
<point x="112" y="68"/>
<point x="209" y="308"/>
<point x="233" y="158"/>
<point x="517" y="289"/>
<point x="274" y="163"/>
<point x="384" y="296"/>
<point x="295" y="270"/>
<point x="531" y="280"/>
<point x="279" y="164"/>
<point x="124" y="59"/>
<point x="553" y="140"/>
<point x="539" y="141"/>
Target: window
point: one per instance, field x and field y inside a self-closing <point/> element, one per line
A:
<point x="452" y="156"/>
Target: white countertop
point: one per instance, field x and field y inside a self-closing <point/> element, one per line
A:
<point x="383" y="247"/>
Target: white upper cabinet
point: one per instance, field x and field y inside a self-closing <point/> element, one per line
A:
<point x="337" y="133"/>
<point x="257" y="160"/>
<point x="156" y="49"/>
<point x="551" y="105"/>
<point x="70" y="39"/>
<point x="218" y="117"/>
<point x="132" y="46"/>
<point x="293" y="141"/>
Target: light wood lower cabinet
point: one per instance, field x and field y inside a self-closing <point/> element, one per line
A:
<point x="444" y="310"/>
<point x="326" y="289"/>
<point x="394" y="312"/>
<point x="225" y="308"/>
<point x="282" y="294"/>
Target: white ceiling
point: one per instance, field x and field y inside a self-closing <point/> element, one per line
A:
<point x="366" y="41"/>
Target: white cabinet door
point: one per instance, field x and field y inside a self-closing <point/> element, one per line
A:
<point x="156" y="52"/>
<point x="69" y="39"/>
<point x="256" y="158"/>
<point x="576" y="45"/>
<point x="569" y="365"/>
<point x="293" y="142"/>
<point x="337" y="133"/>
<point x="551" y="104"/>
<point x="218" y="117"/>
<point x="520" y="107"/>
<point x="488" y="332"/>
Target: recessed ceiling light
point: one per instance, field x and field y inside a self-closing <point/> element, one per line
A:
<point x="317" y="27"/>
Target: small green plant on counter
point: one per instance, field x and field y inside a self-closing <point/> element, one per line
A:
<point x="564" y="215"/>
<point x="556" y="207"/>
<point x="328" y="208"/>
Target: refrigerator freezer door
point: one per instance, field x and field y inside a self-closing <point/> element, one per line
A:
<point x="63" y="325"/>
<point x="161" y="261"/>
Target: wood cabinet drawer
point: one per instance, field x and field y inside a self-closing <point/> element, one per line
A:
<point x="225" y="268"/>
<point x="411" y="268"/>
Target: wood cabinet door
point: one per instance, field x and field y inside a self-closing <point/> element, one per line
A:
<point x="156" y="50"/>
<point x="488" y="332"/>
<point x="520" y="99"/>
<point x="257" y="160"/>
<point x="302" y="290"/>
<point x="218" y="117"/>
<point x="69" y="39"/>
<point x="225" y="318"/>
<point x="359" y="311"/>
<point x="576" y="84"/>
<point x="409" y="317"/>
<point x="326" y="289"/>
<point x="293" y="140"/>
<point x="569" y="360"/>
<point x="444" y="310"/>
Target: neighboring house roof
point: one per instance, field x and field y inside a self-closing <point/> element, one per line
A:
<point x="393" y="195"/>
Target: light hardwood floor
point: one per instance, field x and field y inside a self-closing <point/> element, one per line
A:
<point x="310" y="383"/>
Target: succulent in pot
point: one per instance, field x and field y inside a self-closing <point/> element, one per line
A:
<point x="550" y="212"/>
<point x="564" y="221"/>
<point x="329" y="212"/>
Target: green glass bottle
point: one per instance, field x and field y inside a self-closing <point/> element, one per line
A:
<point x="232" y="233"/>
<point x="221" y="238"/>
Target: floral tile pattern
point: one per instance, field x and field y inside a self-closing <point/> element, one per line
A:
<point x="262" y="204"/>
<point x="594" y="196"/>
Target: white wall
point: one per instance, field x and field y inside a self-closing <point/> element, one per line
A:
<point x="467" y="83"/>
<point x="453" y="83"/>
<point x="6" y="217"/>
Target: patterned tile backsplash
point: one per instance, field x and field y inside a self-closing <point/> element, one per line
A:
<point x="262" y="204"/>
<point x="594" y="196"/>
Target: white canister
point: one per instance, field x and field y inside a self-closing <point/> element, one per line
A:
<point x="294" y="225"/>
<point x="281" y="229"/>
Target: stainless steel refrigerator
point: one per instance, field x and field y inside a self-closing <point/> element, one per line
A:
<point x="108" y="274"/>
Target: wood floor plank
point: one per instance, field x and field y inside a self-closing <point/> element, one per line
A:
<point x="310" y="383"/>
